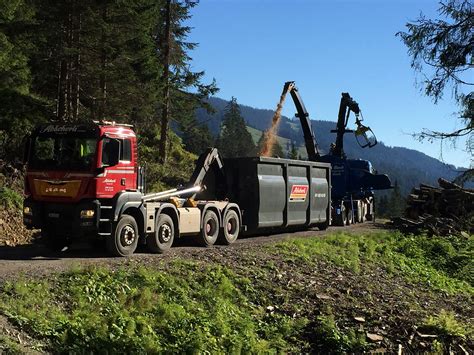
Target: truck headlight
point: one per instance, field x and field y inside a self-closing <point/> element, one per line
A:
<point x="87" y="213"/>
<point x="27" y="210"/>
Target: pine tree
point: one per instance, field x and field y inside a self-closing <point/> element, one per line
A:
<point x="235" y="140"/>
<point x="177" y="78"/>
<point x="96" y="59"/>
<point x="382" y="208"/>
<point x="396" y="203"/>
<point x="20" y="110"/>
<point x="293" y="151"/>
<point x="197" y="138"/>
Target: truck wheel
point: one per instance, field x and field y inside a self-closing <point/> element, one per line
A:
<point x="210" y="229"/>
<point x="370" y="211"/>
<point x="349" y="215"/>
<point x="124" y="238"/>
<point x="163" y="238"/>
<point x="230" y="228"/>
<point x="360" y="211"/>
<point x="364" y="211"/>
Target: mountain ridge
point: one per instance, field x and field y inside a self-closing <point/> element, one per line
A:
<point x="409" y="167"/>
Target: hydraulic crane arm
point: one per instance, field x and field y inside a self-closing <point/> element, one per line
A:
<point x="364" y="134"/>
<point x="303" y="115"/>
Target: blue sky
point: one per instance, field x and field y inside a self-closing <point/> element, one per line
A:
<point x="252" y="47"/>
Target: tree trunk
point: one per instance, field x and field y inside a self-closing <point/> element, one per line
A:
<point x="75" y="92"/>
<point x="165" y="80"/>
<point x="103" y="60"/>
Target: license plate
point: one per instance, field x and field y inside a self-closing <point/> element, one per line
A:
<point x="53" y="215"/>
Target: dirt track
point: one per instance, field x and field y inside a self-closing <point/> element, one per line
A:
<point x="36" y="260"/>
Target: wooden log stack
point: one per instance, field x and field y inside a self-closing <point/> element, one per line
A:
<point x="444" y="210"/>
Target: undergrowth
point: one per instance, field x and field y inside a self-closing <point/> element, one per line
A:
<point x="443" y="263"/>
<point x="330" y="339"/>
<point x="445" y="324"/>
<point x="10" y="199"/>
<point x="190" y="308"/>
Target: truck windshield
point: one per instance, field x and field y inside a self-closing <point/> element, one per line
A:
<point x="62" y="153"/>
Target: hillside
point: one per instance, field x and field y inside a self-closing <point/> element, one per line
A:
<point x="363" y="290"/>
<point x="407" y="166"/>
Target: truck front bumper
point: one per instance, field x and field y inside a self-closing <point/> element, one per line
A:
<point x="63" y="217"/>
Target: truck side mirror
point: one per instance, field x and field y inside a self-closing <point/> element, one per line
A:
<point x="110" y="152"/>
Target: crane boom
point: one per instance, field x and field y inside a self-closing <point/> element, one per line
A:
<point x="303" y="115"/>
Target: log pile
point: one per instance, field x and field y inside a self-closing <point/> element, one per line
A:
<point x="444" y="210"/>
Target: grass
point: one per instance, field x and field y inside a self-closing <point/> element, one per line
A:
<point x="442" y="263"/>
<point x="192" y="308"/>
<point x="262" y="307"/>
<point x="446" y="324"/>
<point x="8" y="346"/>
<point x="329" y="338"/>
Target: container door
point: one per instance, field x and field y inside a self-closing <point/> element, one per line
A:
<point x="271" y="195"/>
<point x="319" y="198"/>
<point x="298" y="195"/>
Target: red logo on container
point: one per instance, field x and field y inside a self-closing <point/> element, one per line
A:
<point x="298" y="192"/>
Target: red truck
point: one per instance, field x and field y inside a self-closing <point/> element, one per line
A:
<point x="84" y="180"/>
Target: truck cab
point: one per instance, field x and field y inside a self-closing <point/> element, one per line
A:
<point x="73" y="174"/>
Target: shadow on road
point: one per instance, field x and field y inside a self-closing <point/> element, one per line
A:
<point x="77" y="250"/>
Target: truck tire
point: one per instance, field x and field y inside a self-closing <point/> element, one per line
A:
<point x="370" y="211"/>
<point x="163" y="238"/>
<point x="230" y="228"/>
<point x="124" y="238"/>
<point x="210" y="229"/>
<point x="349" y="215"/>
<point x="364" y="211"/>
<point x="360" y="211"/>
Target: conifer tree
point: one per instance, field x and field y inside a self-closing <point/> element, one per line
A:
<point x="235" y="140"/>
<point x="177" y="79"/>
<point x="293" y="152"/>
<point x="396" y="203"/>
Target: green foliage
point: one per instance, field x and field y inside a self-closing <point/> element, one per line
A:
<point x="175" y="171"/>
<point x="191" y="308"/>
<point x="84" y="60"/>
<point x="293" y="151"/>
<point x="19" y="113"/>
<point x="8" y="346"/>
<point x="396" y="203"/>
<point x="330" y="339"/>
<point x="381" y="205"/>
<point x="446" y="324"/>
<point x="235" y="140"/>
<point x="441" y="263"/>
<point x="442" y="50"/>
<point x="10" y="199"/>
<point x="196" y="138"/>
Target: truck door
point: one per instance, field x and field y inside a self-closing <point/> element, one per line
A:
<point x="119" y="173"/>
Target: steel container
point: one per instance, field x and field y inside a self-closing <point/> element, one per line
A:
<point x="279" y="194"/>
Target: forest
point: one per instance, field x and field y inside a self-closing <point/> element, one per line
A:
<point x="126" y="61"/>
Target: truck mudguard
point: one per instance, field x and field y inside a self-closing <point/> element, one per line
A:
<point x="126" y="199"/>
